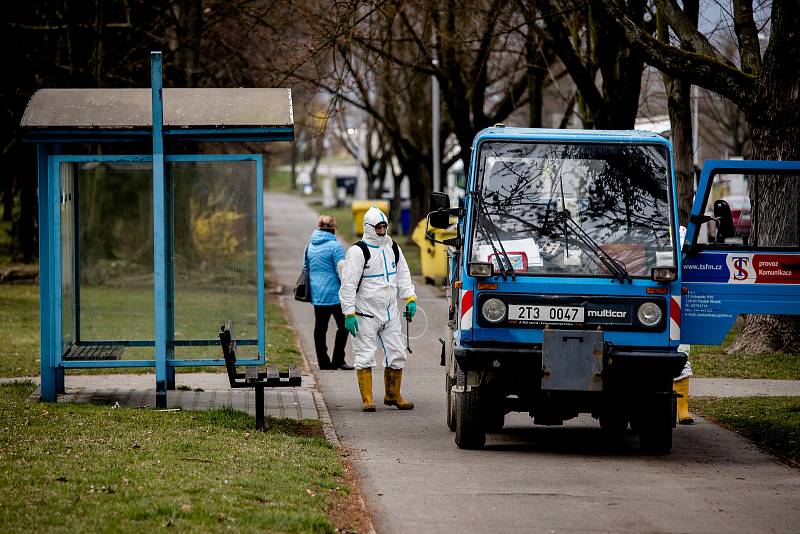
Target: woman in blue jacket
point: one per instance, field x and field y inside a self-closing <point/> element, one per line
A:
<point x="325" y="254"/>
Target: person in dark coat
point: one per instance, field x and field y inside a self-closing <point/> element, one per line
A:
<point x="325" y="257"/>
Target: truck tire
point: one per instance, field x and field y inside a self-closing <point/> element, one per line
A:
<point x="469" y="433"/>
<point x="656" y="439"/>
<point x="614" y="425"/>
<point x="655" y="428"/>
<point x="493" y="415"/>
<point x="451" y="402"/>
<point x="494" y="420"/>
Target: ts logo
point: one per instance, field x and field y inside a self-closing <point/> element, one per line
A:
<point x="740" y="264"/>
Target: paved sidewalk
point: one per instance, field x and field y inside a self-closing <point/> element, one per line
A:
<point x="737" y="387"/>
<point x="207" y="390"/>
<point x="277" y="400"/>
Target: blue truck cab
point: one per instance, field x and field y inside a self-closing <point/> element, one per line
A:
<point x="568" y="272"/>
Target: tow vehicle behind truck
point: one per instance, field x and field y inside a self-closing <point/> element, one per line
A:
<point x="565" y="284"/>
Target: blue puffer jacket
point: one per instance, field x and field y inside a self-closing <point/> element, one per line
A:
<point x="324" y="252"/>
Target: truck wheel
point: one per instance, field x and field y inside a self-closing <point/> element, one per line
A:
<point x="494" y="419"/>
<point x="494" y="414"/>
<point x="655" y="427"/>
<point x="614" y="424"/>
<point x="469" y="433"/>
<point x="656" y="439"/>
<point x="451" y="402"/>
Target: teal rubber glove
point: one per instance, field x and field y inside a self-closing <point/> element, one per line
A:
<point x="411" y="308"/>
<point x="351" y="324"/>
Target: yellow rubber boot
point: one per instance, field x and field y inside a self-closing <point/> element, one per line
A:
<point x="365" y="387"/>
<point x="681" y="387"/>
<point x="392" y="378"/>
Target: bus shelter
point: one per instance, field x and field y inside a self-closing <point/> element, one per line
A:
<point x="146" y="248"/>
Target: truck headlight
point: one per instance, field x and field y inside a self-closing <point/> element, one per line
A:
<point x="494" y="310"/>
<point x="649" y="314"/>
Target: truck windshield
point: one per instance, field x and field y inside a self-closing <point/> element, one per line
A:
<point x="573" y="209"/>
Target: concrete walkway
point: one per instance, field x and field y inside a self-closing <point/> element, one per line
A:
<point x="198" y="391"/>
<point x="208" y="391"/>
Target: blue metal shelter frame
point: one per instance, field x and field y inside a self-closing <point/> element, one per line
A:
<point x="50" y="146"/>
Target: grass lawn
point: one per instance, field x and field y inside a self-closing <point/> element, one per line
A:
<point x="279" y="180"/>
<point x="126" y="313"/>
<point x="771" y="422"/>
<point x="713" y="361"/>
<point x="92" y="468"/>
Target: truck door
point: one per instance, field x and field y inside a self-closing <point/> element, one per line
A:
<point x="742" y="248"/>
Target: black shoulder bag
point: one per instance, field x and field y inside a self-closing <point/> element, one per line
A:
<point x="302" y="289"/>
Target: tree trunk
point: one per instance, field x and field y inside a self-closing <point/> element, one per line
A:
<point x="26" y="226"/>
<point x="775" y="220"/>
<point x="680" y="118"/>
<point x="774" y="120"/>
<point x="679" y="105"/>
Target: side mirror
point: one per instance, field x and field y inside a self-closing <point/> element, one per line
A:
<point x="439" y="216"/>
<point x="724" y="218"/>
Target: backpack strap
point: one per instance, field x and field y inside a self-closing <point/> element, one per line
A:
<point x="396" y="250"/>
<point x="365" y="250"/>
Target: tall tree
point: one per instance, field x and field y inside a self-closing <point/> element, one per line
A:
<point x="589" y="48"/>
<point x="767" y="89"/>
<point x="679" y="106"/>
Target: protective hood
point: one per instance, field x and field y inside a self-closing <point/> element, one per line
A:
<point x="372" y="217"/>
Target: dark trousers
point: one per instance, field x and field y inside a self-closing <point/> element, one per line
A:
<point x="322" y="316"/>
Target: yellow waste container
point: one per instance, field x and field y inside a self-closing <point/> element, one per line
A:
<point x="360" y="207"/>
<point x="433" y="256"/>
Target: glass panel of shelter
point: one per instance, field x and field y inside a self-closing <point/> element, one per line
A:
<point x="216" y="259"/>
<point x="106" y="255"/>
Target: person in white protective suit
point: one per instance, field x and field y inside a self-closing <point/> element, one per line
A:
<point x="375" y="272"/>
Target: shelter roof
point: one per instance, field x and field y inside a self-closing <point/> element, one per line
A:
<point x="183" y="108"/>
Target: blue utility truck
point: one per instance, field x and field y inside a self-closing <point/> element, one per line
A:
<point x="565" y="284"/>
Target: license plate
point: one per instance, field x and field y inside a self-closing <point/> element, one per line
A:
<point x="545" y="314"/>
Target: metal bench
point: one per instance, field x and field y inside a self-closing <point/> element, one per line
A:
<point x="251" y="378"/>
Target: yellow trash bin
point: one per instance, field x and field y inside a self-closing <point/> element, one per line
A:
<point x="433" y="256"/>
<point x="360" y="207"/>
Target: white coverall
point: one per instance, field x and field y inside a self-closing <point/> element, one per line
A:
<point x="375" y="302"/>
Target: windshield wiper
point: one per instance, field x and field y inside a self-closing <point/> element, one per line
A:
<point x="615" y="267"/>
<point x="487" y="223"/>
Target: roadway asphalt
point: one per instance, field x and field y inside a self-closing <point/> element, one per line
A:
<point x="529" y="478"/>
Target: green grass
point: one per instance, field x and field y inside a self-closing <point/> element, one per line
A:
<point x="91" y="468"/>
<point x="713" y="361"/>
<point x="279" y="180"/>
<point x="19" y="330"/>
<point x="126" y="313"/>
<point x="771" y="422"/>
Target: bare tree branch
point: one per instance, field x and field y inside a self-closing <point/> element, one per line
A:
<point x="746" y="32"/>
<point x="697" y="68"/>
<point x="687" y="32"/>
